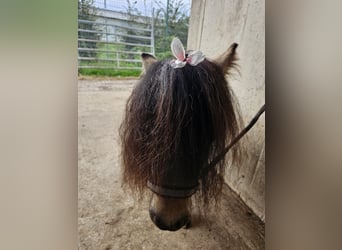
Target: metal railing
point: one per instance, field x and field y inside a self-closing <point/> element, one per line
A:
<point x="114" y="42"/>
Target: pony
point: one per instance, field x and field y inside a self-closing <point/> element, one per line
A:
<point x="177" y="120"/>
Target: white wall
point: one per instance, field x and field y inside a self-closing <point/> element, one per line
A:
<point x="214" y="25"/>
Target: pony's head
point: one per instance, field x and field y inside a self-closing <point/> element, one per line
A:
<point x="177" y="120"/>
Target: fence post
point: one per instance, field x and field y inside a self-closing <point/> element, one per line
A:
<point x="117" y="60"/>
<point x="152" y="32"/>
<point x="106" y="38"/>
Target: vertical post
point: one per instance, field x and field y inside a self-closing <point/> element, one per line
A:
<point x="106" y="38"/>
<point x="167" y="19"/>
<point x="152" y="32"/>
<point x="105" y="4"/>
<point x="117" y="60"/>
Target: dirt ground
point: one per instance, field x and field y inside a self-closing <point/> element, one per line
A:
<point x="109" y="218"/>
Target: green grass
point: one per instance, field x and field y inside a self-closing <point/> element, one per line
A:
<point x="110" y="72"/>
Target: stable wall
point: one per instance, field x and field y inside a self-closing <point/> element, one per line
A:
<point x="214" y="25"/>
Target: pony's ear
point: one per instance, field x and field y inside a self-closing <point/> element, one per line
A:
<point x="147" y="60"/>
<point x="227" y="59"/>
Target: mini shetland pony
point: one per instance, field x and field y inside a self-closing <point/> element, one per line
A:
<point x="177" y="120"/>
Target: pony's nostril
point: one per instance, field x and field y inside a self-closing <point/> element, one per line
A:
<point x="156" y="220"/>
<point x="180" y="223"/>
<point x="153" y="216"/>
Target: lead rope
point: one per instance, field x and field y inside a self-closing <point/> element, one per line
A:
<point x="236" y="139"/>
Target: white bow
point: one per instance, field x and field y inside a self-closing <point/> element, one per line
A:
<point x="193" y="58"/>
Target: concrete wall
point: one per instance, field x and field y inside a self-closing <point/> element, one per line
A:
<point x="214" y="25"/>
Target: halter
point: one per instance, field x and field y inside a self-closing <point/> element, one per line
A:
<point x="187" y="192"/>
<point x="172" y="192"/>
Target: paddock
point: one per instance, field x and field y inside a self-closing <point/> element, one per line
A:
<point x="109" y="218"/>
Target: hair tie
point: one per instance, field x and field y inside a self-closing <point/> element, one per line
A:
<point x="193" y="58"/>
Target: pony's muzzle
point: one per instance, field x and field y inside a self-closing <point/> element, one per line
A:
<point x="169" y="213"/>
<point x="178" y="224"/>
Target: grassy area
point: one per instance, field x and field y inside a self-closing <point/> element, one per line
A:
<point x="111" y="51"/>
<point x="110" y="72"/>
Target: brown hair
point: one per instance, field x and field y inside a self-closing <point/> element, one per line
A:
<point x="178" y="120"/>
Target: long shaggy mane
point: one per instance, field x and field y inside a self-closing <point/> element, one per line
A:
<point x="179" y="118"/>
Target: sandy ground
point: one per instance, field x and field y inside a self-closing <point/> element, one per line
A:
<point x="109" y="218"/>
